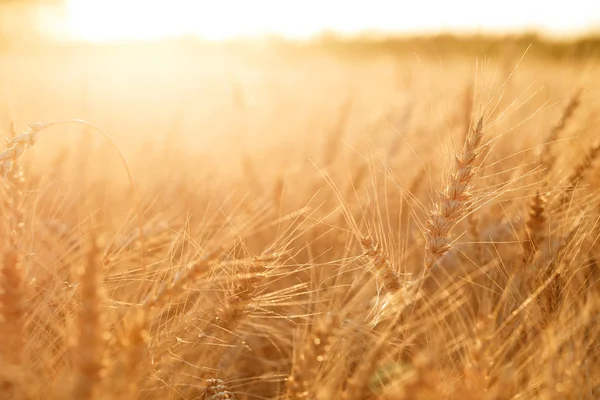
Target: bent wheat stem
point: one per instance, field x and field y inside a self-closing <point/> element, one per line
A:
<point x="26" y="139"/>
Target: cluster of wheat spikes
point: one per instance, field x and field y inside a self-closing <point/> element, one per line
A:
<point x="349" y="279"/>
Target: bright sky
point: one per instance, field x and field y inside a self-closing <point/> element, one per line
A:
<point x="100" y="20"/>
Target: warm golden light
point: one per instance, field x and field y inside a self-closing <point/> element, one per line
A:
<point x="104" y="20"/>
<point x="138" y="19"/>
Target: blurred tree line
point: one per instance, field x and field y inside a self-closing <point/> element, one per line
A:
<point x="444" y="45"/>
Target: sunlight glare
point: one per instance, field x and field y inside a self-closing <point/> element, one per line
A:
<point x="135" y="20"/>
<point x="95" y="20"/>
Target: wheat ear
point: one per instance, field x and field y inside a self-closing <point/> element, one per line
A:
<point x="244" y="290"/>
<point x="357" y="384"/>
<point x="546" y="157"/>
<point x="579" y="172"/>
<point x="455" y="201"/>
<point x="89" y="350"/>
<point x="130" y="364"/>
<point x="183" y="277"/>
<point x="217" y="389"/>
<point x="12" y="315"/>
<point x="12" y="288"/>
<point x="312" y="355"/>
<point x="380" y="262"/>
<point x="535" y="224"/>
<point x="585" y="165"/>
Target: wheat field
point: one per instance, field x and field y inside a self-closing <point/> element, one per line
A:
<point x="243" y="223"/>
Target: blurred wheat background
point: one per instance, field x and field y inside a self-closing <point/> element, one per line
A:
<point x="410" y="218"/>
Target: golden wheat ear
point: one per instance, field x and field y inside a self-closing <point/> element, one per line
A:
<point x="217" y="389"/>
<point x="547" y="159"/>
<point x="13" y="287"/>
<point x="578" y="174"/>
<point x="357" y="384"/>
<point x="12" y="321"/>
<point x="17" y="146"/>
<point x="132" y="362"/>
<point x="310" y="357"/>
<point x="89" y="351"/>
<point x="186" y="275"/>
<point x="584" y="166"/>
<point x="536" y="223"/>
<point x="379" y="261"/>
<point x="455" y="199"/>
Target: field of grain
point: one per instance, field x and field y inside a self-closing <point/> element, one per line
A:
<point x="244" y="223"/>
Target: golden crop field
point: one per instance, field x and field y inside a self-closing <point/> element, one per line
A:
<point x="252" y="221"/>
